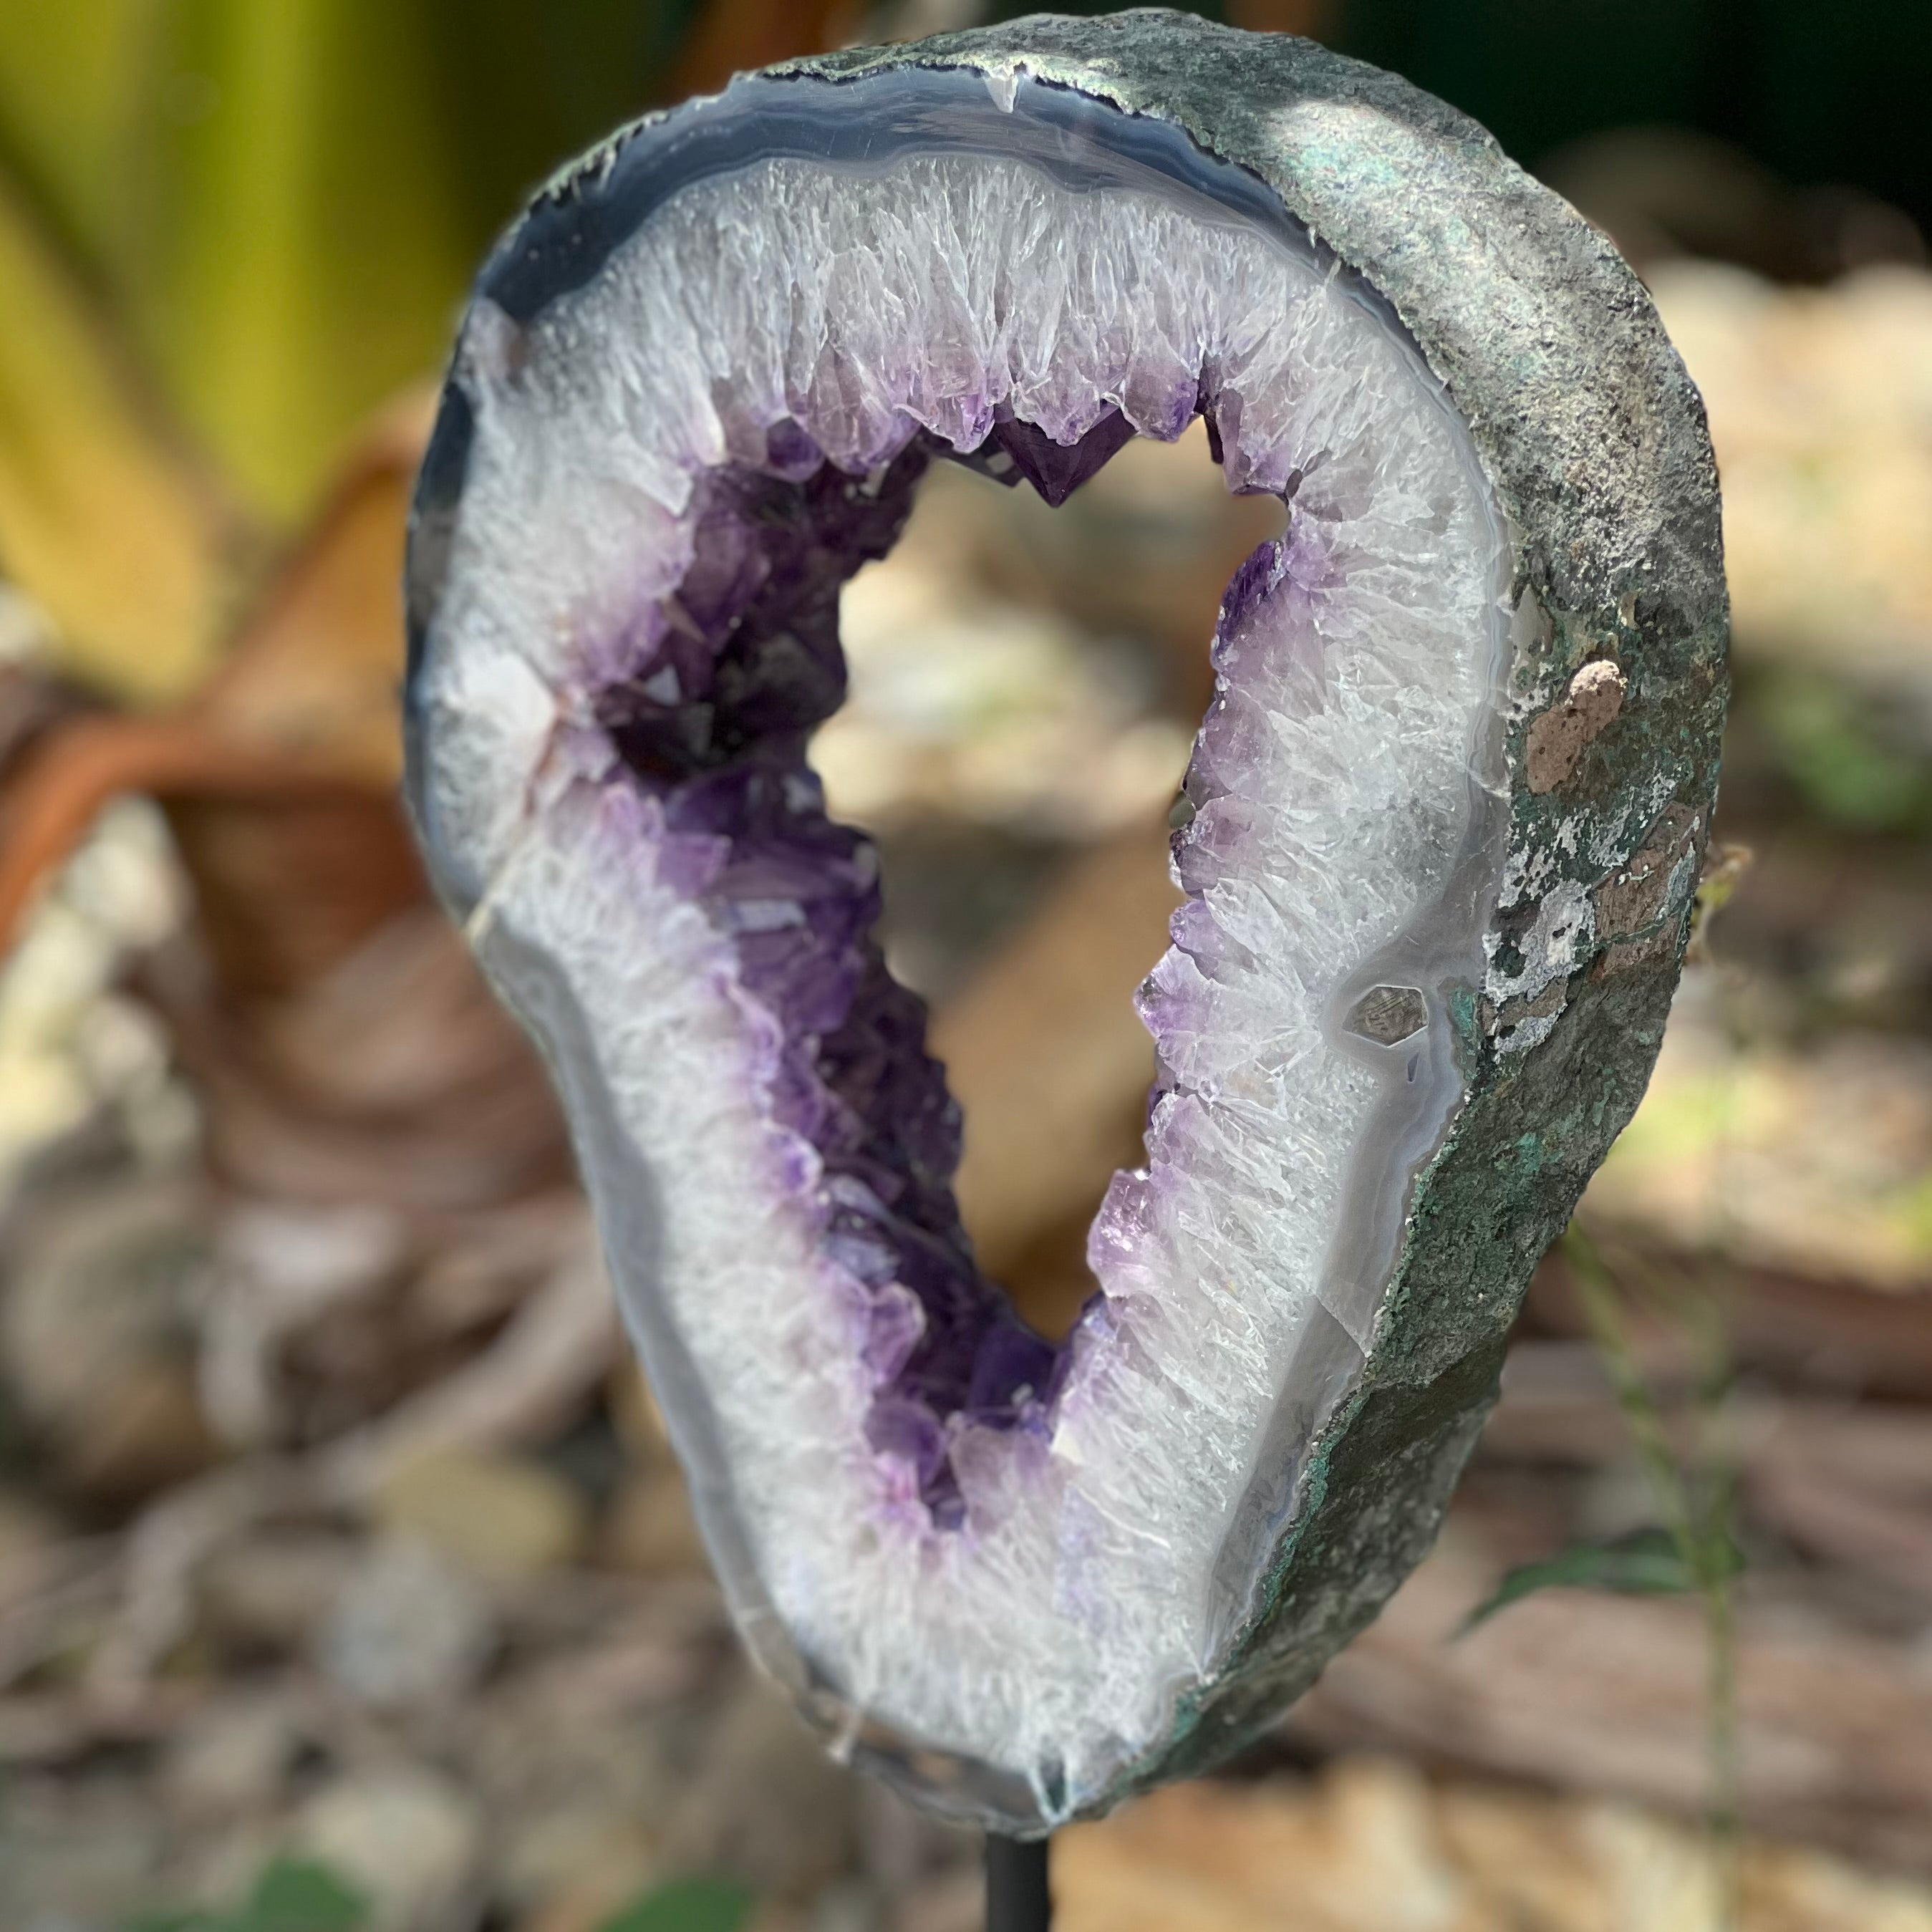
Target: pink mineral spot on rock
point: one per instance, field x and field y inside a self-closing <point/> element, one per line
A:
<point x="1559" y="737"/>
<point x="1639" y="895"/>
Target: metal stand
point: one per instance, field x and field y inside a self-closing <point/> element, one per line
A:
<point x="1017" y="1898"/>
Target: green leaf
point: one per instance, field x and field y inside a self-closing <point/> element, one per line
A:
<point x="70" y="84"/>
<point x="301" y="252"/>
<point x="320" y="179"/>
<point x="1646" y="1563"/>
<point x="102" y="521"/>
<point x="283" y="205"/>
<point x="685" y="1905"/>
<point x="521" y="85"/>
<point x="291" y="1895"/>
<point x="1845" y="752"/>
<point x="295" y="1895"/>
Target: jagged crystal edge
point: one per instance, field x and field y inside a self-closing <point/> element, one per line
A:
<point x="1018" y="1559"/>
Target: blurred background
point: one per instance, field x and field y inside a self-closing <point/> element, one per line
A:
<point x="346" y="1579"/>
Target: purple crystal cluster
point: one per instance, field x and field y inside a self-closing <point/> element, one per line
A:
<point x="727" y="680"/>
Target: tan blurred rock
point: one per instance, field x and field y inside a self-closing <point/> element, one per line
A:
<point x="268" y="1592"/>
<point x="229" y="1761"/>
<point x="1592" y="1693"/>
<point x="1820" y="402"/>
<point x="1373" y="1847"/>
<point x="1815" y="1161"/>
<point x="570" y="1870"/>
<point x="764" y="1802"/>
<point x="502" y="1517"/>
<point x="955" y="1902"/>
<point x="1046" y="1056"/>
<point x="142" y="1431"/>
<point x="650" y="1530"/>
<point x="406" y="1838"/>
<point x="85" y="1857"/>
<point x="577" y="1790"/>
<point x="97" y="1336"/>
<point x="28" y="1533"/>
<point x="97" y="1278"/>
<point x="634" y="1410"/>
<point x="408" y="1629"/>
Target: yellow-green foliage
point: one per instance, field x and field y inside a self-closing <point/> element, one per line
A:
<point x="228" y="230"/>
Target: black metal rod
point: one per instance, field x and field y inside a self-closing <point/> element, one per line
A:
<point x="1017" y="1898"/>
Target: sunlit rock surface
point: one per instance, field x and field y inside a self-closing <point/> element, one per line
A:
<point x="693" y="396"/>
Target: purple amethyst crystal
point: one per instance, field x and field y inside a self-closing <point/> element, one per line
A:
<point x="693" y="394"/>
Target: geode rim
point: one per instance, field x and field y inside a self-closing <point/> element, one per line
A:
<point x="1592" y="441"/>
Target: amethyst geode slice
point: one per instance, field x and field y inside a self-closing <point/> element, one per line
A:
<point x="1446" y="812"/>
